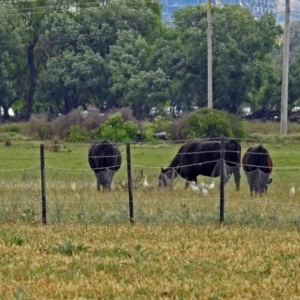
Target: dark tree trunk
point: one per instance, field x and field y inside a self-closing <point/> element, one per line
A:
<point x="5" y="116"/>
<point x="32" y="75"/>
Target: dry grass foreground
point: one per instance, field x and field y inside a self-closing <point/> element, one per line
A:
<point x="148" y="262"/>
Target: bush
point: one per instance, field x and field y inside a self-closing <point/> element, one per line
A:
<point x="12" y="127"/>
<point x="39" y="128"/>
<point x="148" y="130"/>
<point x="115" y="129"/>
<point x="61" y="125"/>
<point x="211" y="123"/>
<point x="177" y="129"/>
<point x="126" y="114"/>
<point x="54" y="145"/>
<point x="93" y="119"/>
<point x="161" y="124"/>
<point x="77" y="134"/>
<point x="131" y="129"/>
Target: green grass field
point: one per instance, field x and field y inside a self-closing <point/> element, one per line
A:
<point x="175" y="250"/>
<point x="21" y="188"/>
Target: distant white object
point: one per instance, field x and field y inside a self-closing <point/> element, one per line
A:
<point x="204" y="185"/>
<point x="292" y="190"/>
<point x="296" y="108"/>
<point x="10" y="112"/>
<point x="247" y="110"/>
<point x="212" y="185"/>
<point x="204" y="192"/>
<point x="74" y="185"/>
<point x="146" y="183"/>
<point x="194" y="187"/>
<point x="153" y="111"/>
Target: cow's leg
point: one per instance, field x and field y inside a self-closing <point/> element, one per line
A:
<point x="98" y="182"/>
<point x="188" y="180"/>
<point x="252" y="189"/>
<point x="237" y="179"/>
<point x="186" y="183"/>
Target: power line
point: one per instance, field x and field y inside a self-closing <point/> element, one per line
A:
<point x="37" y="10"/>
<point x="74" y="5"/>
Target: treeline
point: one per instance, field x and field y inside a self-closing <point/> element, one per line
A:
<point x="56" y="56"/>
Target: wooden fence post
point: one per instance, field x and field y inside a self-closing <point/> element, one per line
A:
<point x="222" y="181"/>
<point x="129" y="179"/>
<point x="43" y="184"/>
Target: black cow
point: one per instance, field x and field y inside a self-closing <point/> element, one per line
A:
<point x="105" y="159"/>
<point x="257" y="164"/>
<point x="203" y="158"/>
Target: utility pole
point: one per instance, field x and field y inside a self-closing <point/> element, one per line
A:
<point x="285" y="69"/>
<point x="209" y="57"/>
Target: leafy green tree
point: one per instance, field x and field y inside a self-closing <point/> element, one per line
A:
<point x="32" y="14"/>
<point x="294" y="40"/>
<point x="99" y="26"/>
<point x="11" y="56"/>
<point x="135" y="82"/>
<point x="294" y="86"/>
<point x="168" y="55"/>
<point x="241" y="48"/>
<point x="73" y="80"/>
<point x="60" y="33"/>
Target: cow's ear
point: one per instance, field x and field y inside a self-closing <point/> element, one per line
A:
<point x="163" y="170"/>
<point x="270" y="180"/>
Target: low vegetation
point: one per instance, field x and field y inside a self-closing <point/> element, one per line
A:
<point x="149" y="262"/>
<point x="121" y="126"/>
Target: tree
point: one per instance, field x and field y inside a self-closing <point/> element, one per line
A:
<point x="294" y="40"/>
<point x="135" y="82"/>
<point x="60" y="33"/>
<point x="241" y="47"/>
<point x="294" y="87"/>
<point x="11" y="56"/>
<point x="99" y="26"/>
<point x="72" y="80"/>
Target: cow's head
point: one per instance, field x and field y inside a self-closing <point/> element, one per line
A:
<point x="104" y="178"/>
<point x="261" y="186"/>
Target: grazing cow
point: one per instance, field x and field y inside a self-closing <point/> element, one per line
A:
<point x="203" y="158"/>
<point x="257" y="164"/>
<point x="104" y="159"/>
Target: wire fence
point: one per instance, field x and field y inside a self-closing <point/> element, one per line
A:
<point x="71" y="194"/>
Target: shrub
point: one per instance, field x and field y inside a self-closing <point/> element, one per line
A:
<point x="55" y="145"/>
<point x="114" y="134"/>
<point x="77" y="134"/>
<point x="177" y="129"/>
<point x="148" y="130"/>
<point x="115" y="129"/>
<point x="131" y="129"/>
<point x="211" y="123"/>
<point x="161" y="124"/>
<point x="93" y="119"/>
<point x="39" y="128"/>
<point x="12" y="127"/>
<point x="61" y="125"/>
<point x="126" y="114"/>
<point x="7" y="142"/>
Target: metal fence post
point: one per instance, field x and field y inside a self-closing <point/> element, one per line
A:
<point x="130" y="195"/>
<point x="222" y="181"/>
<point x="43" y="184"/>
